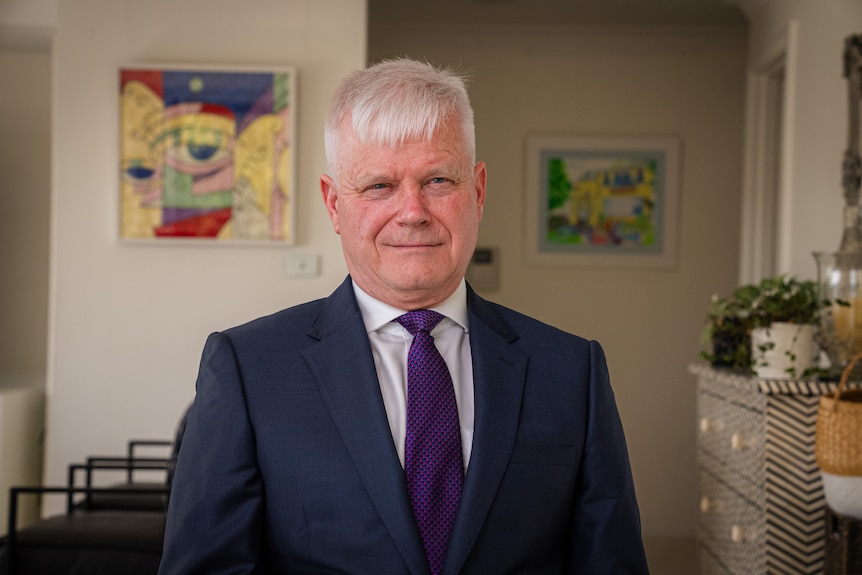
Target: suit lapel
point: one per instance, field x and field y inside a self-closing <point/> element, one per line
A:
<point x="499" y="372"/>
<point x="343" y="366"/>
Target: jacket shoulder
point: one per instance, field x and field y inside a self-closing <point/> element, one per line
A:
<point x="309" y="321"/>
<point x="286" y="324"/>
<point x="517" y="326"/>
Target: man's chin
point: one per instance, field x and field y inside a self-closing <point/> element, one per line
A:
<point x="419" y="291"/>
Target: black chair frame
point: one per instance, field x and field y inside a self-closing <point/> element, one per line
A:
<point x="134" y="444"/>
<point x="15" y="492"/>
<point x="113" y="463"/>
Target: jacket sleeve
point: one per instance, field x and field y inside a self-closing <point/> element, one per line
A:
<point x="606" y="528"/>
<point x="215" y="510"/>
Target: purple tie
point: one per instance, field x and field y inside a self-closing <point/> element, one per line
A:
<point x="432" y="459"/>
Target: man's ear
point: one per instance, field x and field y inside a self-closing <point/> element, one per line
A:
<point x="330" y="200"/>
<point x="480" y="176"/>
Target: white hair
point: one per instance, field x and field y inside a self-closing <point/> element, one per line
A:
<point x="396" y="101"/>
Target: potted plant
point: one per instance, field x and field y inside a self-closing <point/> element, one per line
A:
<point x="784" y="314"/>
<point x="728" y="333"/>
<point x="767" y="327"/>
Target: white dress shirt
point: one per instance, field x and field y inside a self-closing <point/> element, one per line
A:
<point x="390" y="343"/>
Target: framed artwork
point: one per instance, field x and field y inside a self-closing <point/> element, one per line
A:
<point x="602" y="201"/>
<point x="207" y="155"/>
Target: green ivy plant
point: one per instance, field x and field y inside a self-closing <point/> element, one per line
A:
<point x="727" y="333"/>
<point x="779" y="299"/>
<point x="730" y="319"/>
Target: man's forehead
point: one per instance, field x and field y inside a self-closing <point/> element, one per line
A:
<point x="408" y="161"/>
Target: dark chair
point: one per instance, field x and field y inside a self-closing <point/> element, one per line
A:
<point x="84" y="542"/>
<point x="133" y="462"/>
<point x="113" y="530"/>
<point x="131" y="495"/>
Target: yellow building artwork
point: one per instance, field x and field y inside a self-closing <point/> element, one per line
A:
<point x="602" y="201"/>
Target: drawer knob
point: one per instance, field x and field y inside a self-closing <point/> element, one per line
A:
<point x="737" y="441"/>
<point x="737" y="534"/>
<point x="705" y="504"/>
<point x="705" y="424"/>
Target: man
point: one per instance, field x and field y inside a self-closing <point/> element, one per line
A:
<point x="328" y="438"/>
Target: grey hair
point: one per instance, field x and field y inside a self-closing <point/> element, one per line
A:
<point x="396" y="101"/>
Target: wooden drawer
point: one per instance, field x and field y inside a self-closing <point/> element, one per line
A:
<point x="733" y="435"/>
<point x="732" y="526"/>
<point x="741" y="393"/>
<point x="758" y="474"/>
<point x="708" y="563"/>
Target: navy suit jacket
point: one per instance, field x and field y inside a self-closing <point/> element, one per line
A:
<point x="288" y="465"/>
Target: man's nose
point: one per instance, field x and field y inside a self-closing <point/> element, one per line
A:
<point x="414" y="204"/>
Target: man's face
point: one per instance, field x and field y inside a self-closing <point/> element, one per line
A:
<point x="408" y="216"/>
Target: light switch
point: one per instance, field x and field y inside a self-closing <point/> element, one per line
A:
<point x="301" y="264"/>
<point x="483" y="273"/>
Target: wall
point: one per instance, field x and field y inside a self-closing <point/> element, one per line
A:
<point x="128" y="322"/>
<point x="816" y="129"/>
<point x="688" y="83"/>
<point x="25" y="125"/>
<point x="27" y="24"/>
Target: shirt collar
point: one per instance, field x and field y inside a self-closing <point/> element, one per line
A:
<point x="376" y="314"/>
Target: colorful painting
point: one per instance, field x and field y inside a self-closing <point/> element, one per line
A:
<point x="608" y="201"/>
<point x="207" y="154"/>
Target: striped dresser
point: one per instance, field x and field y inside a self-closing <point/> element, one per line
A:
<point x="762" y="509"/>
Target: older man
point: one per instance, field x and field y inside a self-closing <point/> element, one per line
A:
<point x="403" y="424"/>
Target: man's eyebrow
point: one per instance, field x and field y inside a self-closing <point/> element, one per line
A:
<point x="361" y="180"/>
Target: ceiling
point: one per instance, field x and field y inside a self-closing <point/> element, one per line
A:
<point x="460" y="13"/>
<point x="611" y="13"/>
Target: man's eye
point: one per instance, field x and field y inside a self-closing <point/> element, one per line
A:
<point x="440" y="180"/>
<point x="377" y="187"/>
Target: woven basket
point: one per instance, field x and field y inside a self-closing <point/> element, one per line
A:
<point x="838" y="442"/>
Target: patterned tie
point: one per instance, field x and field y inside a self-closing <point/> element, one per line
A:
<point x="432" y="459"/>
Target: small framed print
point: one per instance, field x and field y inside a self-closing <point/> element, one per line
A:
<point x="602" y="201"/>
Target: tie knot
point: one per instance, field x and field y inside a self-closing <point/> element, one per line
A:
<point x="419" y="320"/>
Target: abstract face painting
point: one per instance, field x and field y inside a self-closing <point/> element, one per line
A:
<point x="207" y="154"/>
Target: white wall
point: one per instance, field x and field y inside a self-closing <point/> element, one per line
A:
<point x="27" y="24"/>
<point x="25" y="160"/>
<point x="817" y="127"/>
<point x="688" y="84"/>
<point x="128" y="322"/>
<point x="36" y="13"/>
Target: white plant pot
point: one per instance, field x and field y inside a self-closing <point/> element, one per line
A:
<point x="783" y="350"/>
<point x="843" y="494"/>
